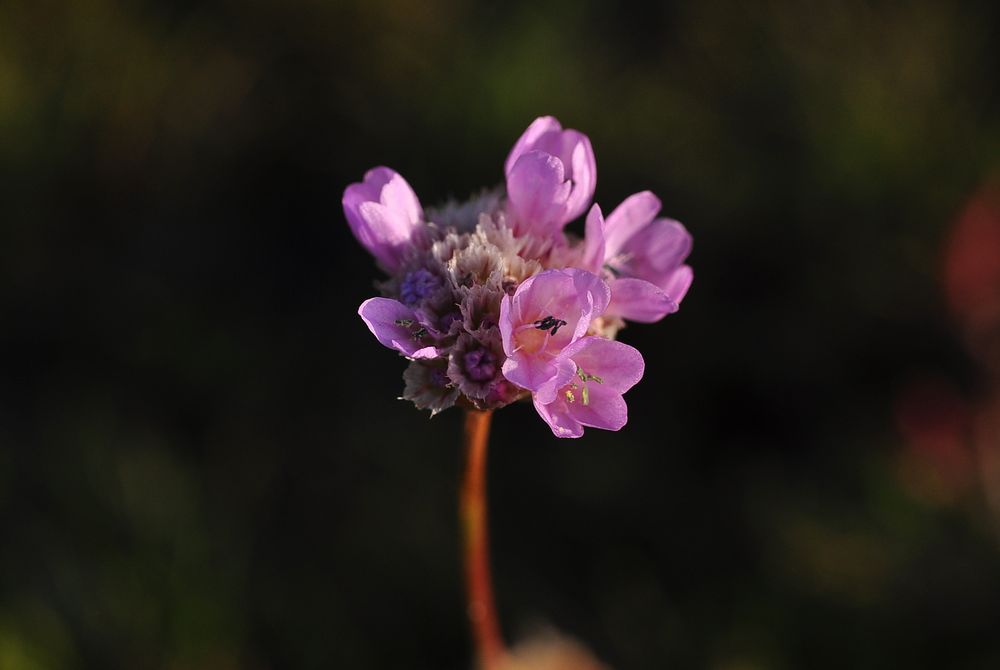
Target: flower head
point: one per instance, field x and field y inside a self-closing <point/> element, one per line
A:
<point x="492" y="302"/>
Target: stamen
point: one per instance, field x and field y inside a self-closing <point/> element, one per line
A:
<point x="586" y="395"/>
<point x="405" y="323"/>
<point x="572" y="398"/>
<point x="550" y="323"/>
<point x="420" y="334"/>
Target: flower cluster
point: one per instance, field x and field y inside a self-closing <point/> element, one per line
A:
<point x="491" y="300"/>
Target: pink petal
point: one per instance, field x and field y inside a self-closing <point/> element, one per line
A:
<point x="550" y="293"/>
<point x="656" y="251"/>
<point x="382" y="212"/>
<point x="537" y="190"/>
<point x="525" y="143"/>
<point x="398" y="196"/>
<point x="557" y="415"/>
<point x="573" y="148"/>
<point x="543" y="377"/>
<point x="677" y="285"/>
<point x="506" y="323"/>
<point x="593" y="293"/>
<point x="639" y="300"/>
<point x="628" y="218"/>
<point x="382" y="316"/>
<point x="619" y="365"/>
<point x="593" y="245"/>
<point x="606" y="408"/>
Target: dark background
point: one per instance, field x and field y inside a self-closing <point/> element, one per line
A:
<point x="203" y="463"/>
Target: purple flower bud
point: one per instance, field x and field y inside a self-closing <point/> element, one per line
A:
<point x="418" y="285"/>
<point x="383" y="213"/>
<point x="551" y="175"/>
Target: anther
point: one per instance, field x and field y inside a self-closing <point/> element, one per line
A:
<point x="550" y="323"/>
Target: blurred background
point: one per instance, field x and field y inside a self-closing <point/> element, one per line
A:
<point x="203" y="463"/>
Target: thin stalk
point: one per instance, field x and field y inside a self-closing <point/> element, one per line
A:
<point x="472" y="510"/>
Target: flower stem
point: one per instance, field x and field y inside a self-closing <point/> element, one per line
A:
<point x="472" y="510"/>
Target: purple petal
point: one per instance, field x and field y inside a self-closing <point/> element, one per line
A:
<point x="557" y="415"/>
<point x="525" y="143"/>
<point x="593" y="244"/>
<point x="388" y="319"/>
<point x="639" y="300"/>
<point x="635" y="212"/>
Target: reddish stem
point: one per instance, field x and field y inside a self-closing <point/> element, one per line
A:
<point x="472" y="509"/>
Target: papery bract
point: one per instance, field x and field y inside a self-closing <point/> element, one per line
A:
<point x="547" y="313"/>
<point x="602" y="371"/>
<point x="551" y="174"/>
<point x="383" y="213"/>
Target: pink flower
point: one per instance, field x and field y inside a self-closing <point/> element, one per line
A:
<point x="645" y="255"/>
<point x="551" y="174"/>
<point x="602" y="371"/>
<point x="398" y="327"/>
<point x="383" y="213"/>
<point x="547" y="313"/>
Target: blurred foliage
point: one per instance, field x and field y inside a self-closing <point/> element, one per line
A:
<point x="202" y="464"/>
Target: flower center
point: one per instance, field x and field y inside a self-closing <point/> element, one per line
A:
<point x="480" y="365"/>
<point x="533" y="337"/>
<point x="573" y="392"/>
<point x="417" y="285"/>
